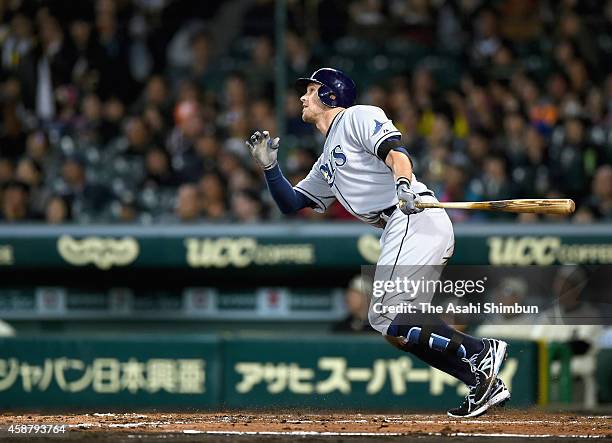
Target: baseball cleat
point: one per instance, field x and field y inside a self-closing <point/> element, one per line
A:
<point x="485" y="367"/>
<point x="498" y="396"/>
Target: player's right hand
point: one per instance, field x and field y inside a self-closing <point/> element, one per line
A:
<point x="263" y="149"/>
<point x="408" y="199"/>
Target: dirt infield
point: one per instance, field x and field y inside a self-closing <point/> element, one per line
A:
<point x="502" y="426"/>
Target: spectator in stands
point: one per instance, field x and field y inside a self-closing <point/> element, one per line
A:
<point x="138" y="137"/>
<point x="423" y="86"/>
<point x="570" y="27"/>
<point x="357" y="299"/>
<point x="18" y="42"/>
<point x="503" y="64"/>
<point x="234" y="100"/>
<point x="90" y="63"/>
<point x="212" y="189"/>
<point x="293" y="113"/>
<point x="480" y="112"/>
<point x="156" y="95"/>
<point x="557" y="87"/>
<point x="37" y="147"/>
<point x="583" y="215"/>
<point x="113" y="114"/>
<point x="259" y="18"/>
<point x="456" y="187"/>
<point x="600" y="202"/>
<point x="57" y="210"/>
<point x="486" y="39"/>
<point x="261" y="115"/>
<point x="512" y="141"/>
<point x="438" y="129"/>
<point x="299" y="55"/>
<point x="367" y="12"/>
<point x="367" y="18"/>
<point x="156" y="122"/>
<point x="125" y="210"/>
<point x="227" y="164"/>
<point x="478" y="149"/>
<point x="543" y="110"/>
<point x="493" y="184"/>
<point x="407" y="122"/>
<point x="530" y="174"/>
<point x="241" y="179"/>
<point x="299" y="164"/>
<point x="201" y="69"/>
<point x="12" y="133"/>
<point x="189" y="205"/>
<point x="30" y="172"/>
<point x="158" y="171"/>
<point x="376" y="95"/>
<point x="458" y="107"/>
<point x="399" y="95"/>
<point x="6" y="171"/>
<point x="86" y="199"/>
<point x="237" y="131"/>
<point x="434" y="162"/>
<point x="260" y="73"/>
<point x="89" y="122"/>
<point x="15" y="199"/>
<point x="45" y="68"/>
<point x="246" y="206"/>
<point x="115" y="76"/>
<point x="189" y="126"/>
<point x="595" y="110"/>
<point x="567" y="162"/>
<point x="207" y="149"/>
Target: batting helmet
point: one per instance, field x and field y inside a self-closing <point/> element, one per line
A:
<point x="337" y="89"/>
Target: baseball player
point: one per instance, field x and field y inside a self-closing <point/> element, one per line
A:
<point x="365" y="166"/>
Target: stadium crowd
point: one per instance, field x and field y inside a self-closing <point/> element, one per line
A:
<point x="137" y="110"/>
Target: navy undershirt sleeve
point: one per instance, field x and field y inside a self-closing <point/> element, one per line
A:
<point x="287" y="199"/>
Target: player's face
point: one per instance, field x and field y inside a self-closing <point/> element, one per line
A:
<point x="311" y="104"/>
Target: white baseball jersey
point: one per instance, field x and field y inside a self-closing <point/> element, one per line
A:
<point x="349" y="168"/>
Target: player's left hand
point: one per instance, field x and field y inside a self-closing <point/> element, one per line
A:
<point x="263" y="149"/>
<point x="408" y="199"/>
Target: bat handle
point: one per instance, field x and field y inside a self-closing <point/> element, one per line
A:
<point x="422" y="205"/>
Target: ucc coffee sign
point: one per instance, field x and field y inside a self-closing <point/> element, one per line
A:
<point x="245" y="251"/>
<point x="544" y="251"/>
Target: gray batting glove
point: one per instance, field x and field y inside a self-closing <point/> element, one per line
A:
<point x="407" y="197"/>
<point x="263" y="149"/>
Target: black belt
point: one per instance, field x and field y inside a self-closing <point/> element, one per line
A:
<point x="391" y="209"/>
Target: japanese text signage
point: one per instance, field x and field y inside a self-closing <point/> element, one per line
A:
<point x="348" y="371"/>
<point x="150" y="372"/>
<point x="206" y="372"/>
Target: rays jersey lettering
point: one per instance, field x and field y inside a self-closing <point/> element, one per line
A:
<point x="337" y="160"/>
<point x="349" y="168"/>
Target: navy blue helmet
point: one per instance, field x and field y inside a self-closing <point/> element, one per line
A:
<point x="337" y="89"/>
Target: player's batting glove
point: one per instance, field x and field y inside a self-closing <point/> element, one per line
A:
<point x="407" y="197"/>
<point x="263" y="149"/>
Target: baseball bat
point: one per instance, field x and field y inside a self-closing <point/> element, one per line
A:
<point x="561" y="206"/>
